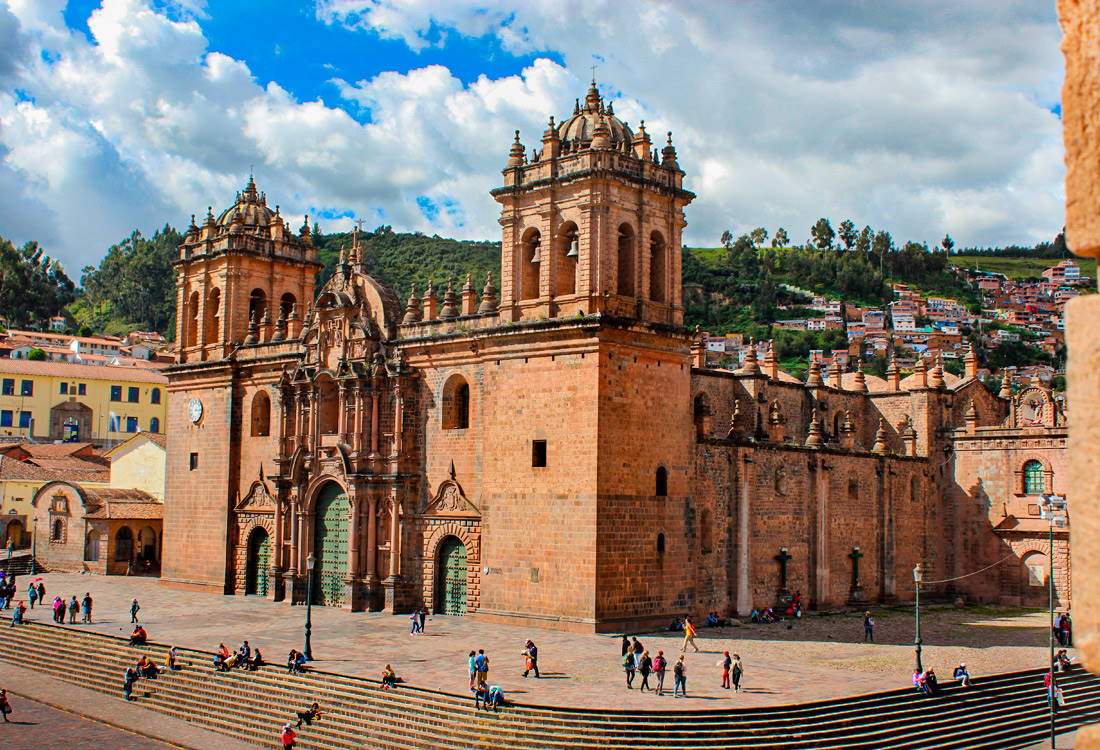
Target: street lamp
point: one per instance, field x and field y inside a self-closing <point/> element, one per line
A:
<point x="307" y="651"/>
<point x="918" y="577"/>
<point x="34" y="547"/>
<point x="1053" y="510"/>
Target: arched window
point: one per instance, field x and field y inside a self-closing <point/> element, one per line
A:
<point x="154" y="396"/>
<point x="57" y="530"/>
<point x="914" y="489"/>
<point x="192" y="319"/>
<point x="257" y="305"/>
<point x="701" y="412"/>
<point x="853" y="489"/>
<point x="154" y="425"/>
<point x="124" y="544"/>
<point x="657" y="271"/>
<point x="261" y="414"/>
<point x="328" y="406"/>
<point x="456" y="403"/>
<point x="568" y="253"/>
<point x="529" y="262"/>
<point x="660" y="544"/>
<point x="1034" y="481"/>
<point x="1037" y="569"/>
<point x="662" y="482"/>
<point x="286" y="305"/>
<point x="213" y="317"/>
<point x="625" y="281"/>
<point x="706" y="531"/>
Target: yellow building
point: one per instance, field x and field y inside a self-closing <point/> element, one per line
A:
<point x="60" y="401"/>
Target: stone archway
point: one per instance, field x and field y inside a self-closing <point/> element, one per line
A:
<point x="450" y="577"/>
<point x="71" y="421"/>
<point x="258" y="563"/>
<point x="330" y="544"/>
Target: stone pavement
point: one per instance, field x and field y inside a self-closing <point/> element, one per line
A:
<point x="91" y="719"/>
<point x="816" y="658"/>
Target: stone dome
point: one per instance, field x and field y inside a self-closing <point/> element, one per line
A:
<point x="581" y="127"/>
<point x="250" y="207"/>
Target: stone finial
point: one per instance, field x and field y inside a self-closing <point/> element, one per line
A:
<point x="776" y="421"/>
<point x="450" y="302"/>
<point x="517" y="154"/>
<point x="265" y="322"/>
<point x="771" y="365"/>
<point x="815" y="438"/>
<point x="971" y="415"/>
<point x="668" y="154"/>
<point x="847" y="434"/>
<point x="641" y="142"/>
<point x="860" y="380"/>
<point x="601" y="135"/>
<point x="280" y="327"/>
<point x="253" y="329"/>
<point x="835" y="374"/>
<point x="935" y="376"/>
<point x="699" y="348"/>
<point x="881" y="445"/>
<point x="1006" y="385"/>
<point x="751" y="366"/>
<point x="488" y="296"/>
<point x="908" y="436"/>
<point x="970" y="364"/>
<point x="893" y="375"/>
<point x="469" y="296"/>
<point x="412" y="307"/>
<point x="813" y="376"/>
<point x="921" y="373"/>
<point x="430" y="302"/>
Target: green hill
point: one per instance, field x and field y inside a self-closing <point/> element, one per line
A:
<point x="1018" y="268"/>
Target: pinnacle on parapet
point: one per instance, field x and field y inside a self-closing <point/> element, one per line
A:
<point x="881" y="446"/>
<point x="815" y="438"/>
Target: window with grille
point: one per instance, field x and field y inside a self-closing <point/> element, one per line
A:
<point x="1034" y="483"/>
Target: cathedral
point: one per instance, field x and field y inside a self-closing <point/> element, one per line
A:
<point x="555" y="451"/>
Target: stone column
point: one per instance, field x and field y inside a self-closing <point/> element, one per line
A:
<point x="744" y="521"/>
<point x="372" y="537"/>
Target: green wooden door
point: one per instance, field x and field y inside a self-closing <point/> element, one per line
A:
<point x="259" y="563"/>
<point x="451" y="578"/>
<point x="330" y="541"/>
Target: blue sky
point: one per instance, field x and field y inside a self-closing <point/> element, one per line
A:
<point x="917" y="119"/>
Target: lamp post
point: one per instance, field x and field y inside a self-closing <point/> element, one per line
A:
<point x="307" y="650"/>
<point x="1053" y="510"/>
<point x="34" y="547"/>
<point x="918" y="577"/>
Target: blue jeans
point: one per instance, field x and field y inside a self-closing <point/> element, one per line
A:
<point x="681" y="685"/>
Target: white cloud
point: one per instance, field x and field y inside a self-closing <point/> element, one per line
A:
<point x="919" y="121"/>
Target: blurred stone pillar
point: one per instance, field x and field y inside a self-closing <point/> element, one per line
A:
<point x="1080" y="21"/>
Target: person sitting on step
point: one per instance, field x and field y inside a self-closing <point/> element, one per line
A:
<point x="311" y="714"/>
<point x="496" y="698"/>
<point x="139" y="637"/>
<point x="962" y="675"/>
<point x="170" y="659"/>
<point x="1062" y="660"/>
<point x="256" y="662"/>
<point x="931" y="681"/>
<point x="146" y="668"/>
<point x="389" y="678"/>
<point x="219" y="663"/>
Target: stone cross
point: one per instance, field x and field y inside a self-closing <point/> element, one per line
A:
<point x="783" y="558"/>
<point x="855" y="556"/>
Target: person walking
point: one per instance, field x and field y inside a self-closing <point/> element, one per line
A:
<point x="689" y="636"/>
<point x="1058" y="634"/>
<point x="660" y="664"/>
<point x="868" y="628"/>
<point x="414" y="623"/>
<point x="17" y="614"/>
<point x="629" y="666"/>
<point x="5" y="704"/>
<point x="473" y="669"/>
<point x="74" y="607"/>
<point x="481" y="664"/>
<point x="134" y="609"/>
<point x="679" y="678"/>
<point x="736" y="672"/>
<point x="128" y="681"/>
<point x="41" y="593"/>
<point x="1067" y="630"/>
<point x="531" y="658"/>
<point x="423" y="615"/>
<point x="58" y="610"/>
<point x="86" y="608"/>
<point x="287" y="737"/>
<point x="726" y="663"/>
<point x="32" y="595"/>
<point x="626" y="644"/>
<point x="645" y="666"/>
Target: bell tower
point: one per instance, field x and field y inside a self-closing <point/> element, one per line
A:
<point x="241" y="278"/>
<point x="592" y="221"/>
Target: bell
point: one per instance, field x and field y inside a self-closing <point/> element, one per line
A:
<point x="574" y="247"/>
<point x="535" y="258"/>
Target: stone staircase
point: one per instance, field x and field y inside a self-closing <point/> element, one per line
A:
<point x="1000" y="711"/>
<point x="20" y="564"/>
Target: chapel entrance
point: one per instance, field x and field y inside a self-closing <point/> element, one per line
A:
<point x="258" y="562"/>
<point x="330" y="544"/>
<point x="450" y="586"/>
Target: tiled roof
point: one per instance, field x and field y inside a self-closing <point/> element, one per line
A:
<point x="12" y="469"/>
<point x="48" y="450"/>
<point x="156" y="438"/>
<point x="66" y="337"/>
<point x="120" y="374"/>
<point x="118" y="503"/>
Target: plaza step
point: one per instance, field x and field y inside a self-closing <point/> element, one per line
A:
<point x="21" y="565"/>
<point x="1000" y="711"/>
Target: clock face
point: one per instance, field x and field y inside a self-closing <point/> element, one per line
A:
<point x="194" y="409"/>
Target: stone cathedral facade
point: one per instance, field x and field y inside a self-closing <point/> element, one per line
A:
<point x="554" y="451"/>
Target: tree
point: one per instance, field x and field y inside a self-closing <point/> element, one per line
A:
<point x="822" y="234"/>
<point x="847" y="233"/>
<point x="781" y="239"/>
<point x="947" y="244"/>
<point x="36" y="354"/>
<point x="727" y="238"/>
<point x="882" y="244"/>
<point x="759" y="236"/>
<point x="863" y="242"/>
<point x="33" y="286"/>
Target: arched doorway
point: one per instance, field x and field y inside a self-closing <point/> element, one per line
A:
<point x="91" y="546"/>
<point x="258" y="562"/>
<point x="147" y="541"/>
<point x="14" y="534"/>
<point x="330" y="544"/>
<point x="124" y="545"/>
<point x="450" y="577"/>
